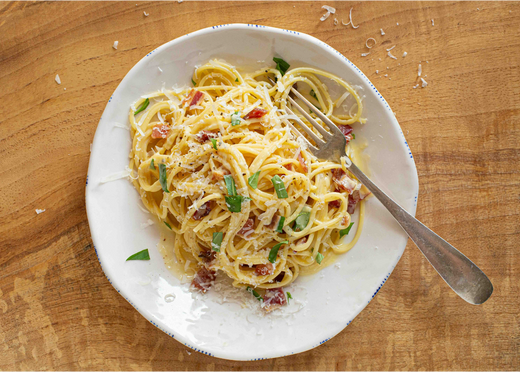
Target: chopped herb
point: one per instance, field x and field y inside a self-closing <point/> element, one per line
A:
<point x="246" y="198"/>
<point x="303" y="219"/>
<point x="281" y="65"/>
<point x="235" y="119"/>
<point x="152" y="165"/>
<point x="236" y="80"/>
<point x="319" y="258"/>
<point x="279" y="228"/>
<point x="193" y="82"/>
<point x="344" y="232"/>
<point x="214" y="142"/>
<point x="142" y="106"/>
<point x="279" y="187"/>
<point x="167" y="224"/>
<point x="289" y="297"/>
<point x="253" y="180"/>
<point x="353" y="136"/>
<point x="162" y="177"/>
<point x="274" y="251"/>
<point x="313" y="94"/>
<point x="230" y="184"/>
<point x="254" y="293"/>
<point x="234" y="203"/>
<point x="217" y="241"/>
<point x="141" y="256"/>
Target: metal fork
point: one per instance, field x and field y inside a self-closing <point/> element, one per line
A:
<point x="462" y="275"/>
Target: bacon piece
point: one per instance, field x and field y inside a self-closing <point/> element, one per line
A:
<point x="247" y="229"/>
<point x="262" y="269"/>
<point x="352" y="202"/>
<point x="274" y="222"/>
<point x="202" y="212"/>
<point x="335" y="204"/>
<point x="203" y="279"/>
<point x="274" y="298"/>
<point x="288" y="166"/>
<point x="302" y="240"/>
<point x="207" y="255"/>
<point x="194" y="97"/>
<point x="343" y="181"/>
<point x="302" y="162"/>
<point x="160" y="131"/>
<point x="205" y="135"/>
<point x="255" y="113"/>
<point x="347" y="131"/>
<point x="218" y="174"/>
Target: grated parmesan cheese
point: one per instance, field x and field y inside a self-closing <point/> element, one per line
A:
<point x="382" y="32"/>
<point x="365" y="54"/>
<point x="115" y="44"/>
<point x="325" y="16"/>
<point x="57" y="78"/>
<point x="433" y="24"/>
<point x="160" y="69"/>
<point x="366" y="42"/>
<point x="329" y="9"/>
<point x="405" y="54"/>
<point x="390" y="48"/>
<point x="115" y="176"/>
<point x="350" y="20"/>
<point x="391" y="55"/>
<point x="146" y="14"/>
<point x="144" y="225"/>
<point x="424" y="83"/>
<point x="38" y="211"/>
<point x="419" y="70"/>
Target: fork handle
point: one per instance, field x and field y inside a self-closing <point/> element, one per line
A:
<point x="462" y="275"/>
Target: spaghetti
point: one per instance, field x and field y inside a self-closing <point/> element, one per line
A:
<point x="220" y="166"/>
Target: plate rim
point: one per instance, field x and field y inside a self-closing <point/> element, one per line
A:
<point x="414" y="187"/>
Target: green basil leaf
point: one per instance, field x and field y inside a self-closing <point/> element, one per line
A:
<point x="289" y="297"/>
<point x="319" y="258"/>
<point x="303" y="219"/>
<point x="152" y="165"/>
<point x="217" y="241"/>
<point x="254" y="293"/>
<point x="279" y="228"/>
<point x="344" y="232"/>
<point x="253" y="180"/>
<point x="193" y="82"/>
<point x="214" y="142"/>
<point x="167" y="224"/>
<point x="281" y="65"/>
<point x="234" y="203"/>
<point x="236" y="80"/>
<point x="353" y="136"/>
<point x="313" y="94"/>
<point x="279" y="187"/>
<point x="230" y="184"/>
<point x="274" y="251"/>
<point x="142" y="106"/>
<point x="235" y="119"/>
<point x="162" y="177"/>
<point x="142" y="256"/>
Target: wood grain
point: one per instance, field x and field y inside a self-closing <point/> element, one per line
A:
<point x="57" y="310"/>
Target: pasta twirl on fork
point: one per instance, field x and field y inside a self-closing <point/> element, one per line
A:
<point x="219" y="165"/>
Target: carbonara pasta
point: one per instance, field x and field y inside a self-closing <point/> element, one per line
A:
<point x="219" y="164"/>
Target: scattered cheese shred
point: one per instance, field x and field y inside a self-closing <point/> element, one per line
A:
<point x="365" y="54"/>
<point x="115" y="176"/>
<point x="325" y="16"/>
<point x="146" y="14"/>
<point x="433" y="24"/>
<point x="424" y="83"/>
<point x="391" y="55"/>
<point x="382" y="32"/>
<point x="329" y="9"/>
<point x="390" y="48"/>
<point x="115" y="44"/>
<point x="38" y="211"/>
<point x="419" y="70"/>
<point x="350" y="21"/>
<point x="57" y="78"/>
<point x="366" y="42"/>
<point x="335" y="21"/>
<point x="160" y="69"/>
<point x="405" y="54"/>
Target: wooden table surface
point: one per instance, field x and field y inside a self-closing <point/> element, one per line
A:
<point x="57" y="310"/>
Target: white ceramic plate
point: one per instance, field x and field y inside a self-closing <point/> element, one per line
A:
<point x="325" y="303"/>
